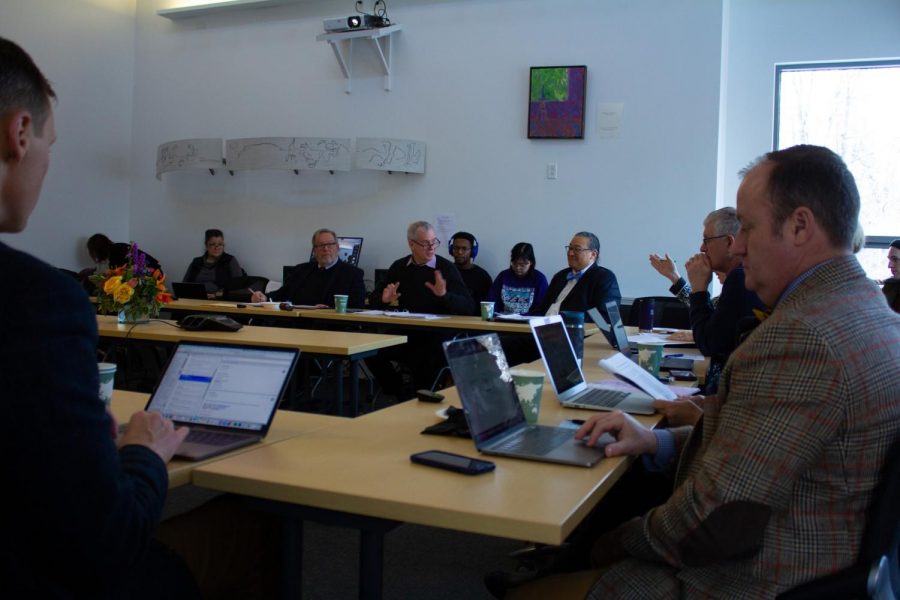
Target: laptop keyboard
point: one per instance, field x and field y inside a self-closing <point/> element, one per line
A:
<point x="537" y="440"/>
<point x="211" y="438"/>
<point x="600" y="398"/>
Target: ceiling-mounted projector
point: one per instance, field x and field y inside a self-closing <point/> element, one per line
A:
<point x="354" y="22"/>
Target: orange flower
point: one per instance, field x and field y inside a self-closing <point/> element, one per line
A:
<point x="163" y="298"/>
<point x="117" y="271"/>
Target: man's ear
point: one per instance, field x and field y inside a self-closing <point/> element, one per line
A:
<point x="16" y="134"/>
<point x="800" y="225"/>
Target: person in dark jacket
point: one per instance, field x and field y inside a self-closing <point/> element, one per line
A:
<point x="315" y="283"/>
<point x="79" y="519"/>
<point x="464" y="249"/>
<point x="216" y="267"/>
<point x="718" y="327"/>
<point x="420" y="282"/>
<point x="891" y="287"/>
<point x="521" y="287"/>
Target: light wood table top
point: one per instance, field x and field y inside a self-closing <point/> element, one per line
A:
<point x="456" y="322"/>
<point x="363" y="467"/>
<point x="228" y="307"/>
<point x="338" y="343"/>
<point x="287" y="424"/>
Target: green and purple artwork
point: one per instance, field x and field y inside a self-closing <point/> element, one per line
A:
<point x="556" y="102"/>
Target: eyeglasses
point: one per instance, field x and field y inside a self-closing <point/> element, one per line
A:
<point x="524" y="264"/>
<point x="215" y="245"/>
<point x="707" y="240"/>
<point x="427" y="245"/>
<point x="576" y="249"/>
<point x="325" y="245"/>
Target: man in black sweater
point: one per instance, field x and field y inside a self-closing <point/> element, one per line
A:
<point x="420" y="282"/>
<point x="316" y="282"/>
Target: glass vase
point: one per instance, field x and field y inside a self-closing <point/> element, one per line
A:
<point x="130" y="317"/>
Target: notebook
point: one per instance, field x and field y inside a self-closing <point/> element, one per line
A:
<point x="227" y="394"/>
<point x="615" y="333"/>
<point x="567" y="378"/>
<point x="184" y="289"/>
<point x="493" y="412"/>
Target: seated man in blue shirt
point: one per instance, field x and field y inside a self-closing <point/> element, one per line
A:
<point x="316" y="282"/>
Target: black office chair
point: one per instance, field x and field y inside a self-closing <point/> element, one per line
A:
<point x="876" y="573"/>
<point x="669" y="312"/>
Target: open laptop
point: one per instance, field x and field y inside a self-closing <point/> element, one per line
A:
<point x="493" y="412"/>
<point x="184" y="289"/>
<point x="567" y="378"/>
<point x="615" y="333"/>
<point x="226" y="393"/>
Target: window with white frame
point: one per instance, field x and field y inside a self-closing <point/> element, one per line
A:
<point x="854" y="109"/>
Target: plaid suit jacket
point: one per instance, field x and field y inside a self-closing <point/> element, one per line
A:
<point x="773" y="483"/>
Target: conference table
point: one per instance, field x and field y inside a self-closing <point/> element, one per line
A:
<point x="358" y="474"/>
<point x="329" y="318"/>
<point x="327" y="345"/>
<point x="285" y="425"/>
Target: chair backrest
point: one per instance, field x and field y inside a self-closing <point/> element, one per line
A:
<point x="882" y="534"/>
<point x="286" y="271"/>
<point x="669" y="312"/>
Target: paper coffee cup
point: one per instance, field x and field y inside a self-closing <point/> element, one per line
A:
<point x="650" y="357"/>
<point x="529" y="387"/>
<point x="340" y="303"/>
<point x="107" y="378"/>
<point x="487" y="311"/>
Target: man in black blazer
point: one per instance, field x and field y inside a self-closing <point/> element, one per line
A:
<point x="316" y="282"/>
<point x="80" y="516"/>
<point x="583" y="285"/>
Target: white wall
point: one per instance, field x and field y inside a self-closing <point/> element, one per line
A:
<point x="761" y="33"/>
<point x="86" y="49"/>
<point x="460" y="84"/>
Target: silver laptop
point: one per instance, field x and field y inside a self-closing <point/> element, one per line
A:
<point x="493" y="412"/>
<point x="227" y="394"/>
<point x="567" y="378"/>
<point x="615" y="333"/>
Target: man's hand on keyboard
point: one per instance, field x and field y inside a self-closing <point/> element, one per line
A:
<point x="632" y="438"/>
<point x="151" y="430"/>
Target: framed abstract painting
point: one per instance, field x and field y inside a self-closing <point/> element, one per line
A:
<point x="556" y="102"/>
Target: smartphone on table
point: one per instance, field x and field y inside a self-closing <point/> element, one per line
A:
<point x="452" y="462"/>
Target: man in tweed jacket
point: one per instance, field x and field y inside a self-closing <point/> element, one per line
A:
<point x="773" y="483"/>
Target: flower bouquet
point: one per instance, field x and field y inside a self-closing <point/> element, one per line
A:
<point x="132" y="291"/>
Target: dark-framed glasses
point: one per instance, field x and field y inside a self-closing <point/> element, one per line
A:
<point x="707" y="240"/>
<point x="427" y="245"/>
<point x="325" y="245"/>
<point x="577" y="249"/>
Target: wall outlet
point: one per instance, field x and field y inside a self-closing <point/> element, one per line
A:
<point x="551" y="171"/>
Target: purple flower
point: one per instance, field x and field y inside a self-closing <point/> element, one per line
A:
<point x="138" y="260"/>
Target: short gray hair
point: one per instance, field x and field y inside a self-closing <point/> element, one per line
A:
<point x="319" y="232"/>
<point x="416" y="226"/>
<point x="724" y="221"/>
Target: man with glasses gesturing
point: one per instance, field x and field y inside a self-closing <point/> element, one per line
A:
<point x="420" y="282"/>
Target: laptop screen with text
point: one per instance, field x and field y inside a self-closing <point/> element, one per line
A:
<point x="223" y="385"/>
